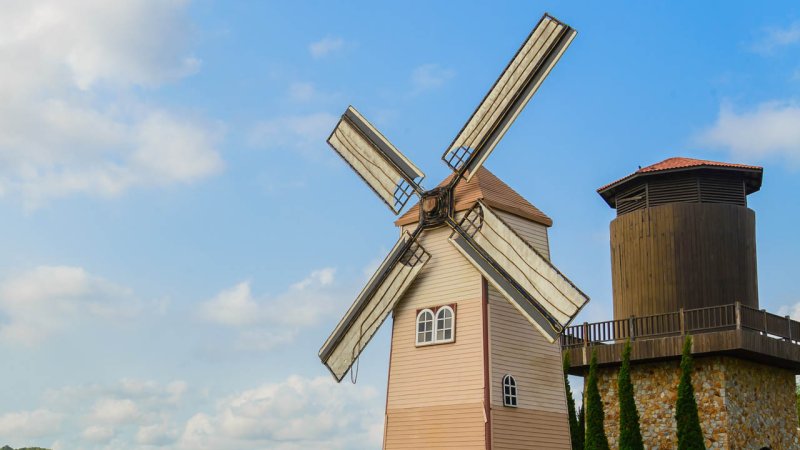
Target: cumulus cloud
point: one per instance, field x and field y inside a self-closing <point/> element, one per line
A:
<point x="48" y="299"/>
<point x="29" y="424"/>
<point x="115" y="411"/>
<point x="159" y="434"/>
<point x="305" y="134"/>
<point x="790" y="310"/>
<point x="775" y="38"/>
<point x="430" y="76"/>
<point x="265" y="322"/>
<point x="130" y="410"/>
<point x="299" y="305"/>
<point x="297" y="413"/>
<point x="98" y="434"/>
<point x="71" y="120"/>
<point x="769" y="130"/>
<point x="325" y="46"/>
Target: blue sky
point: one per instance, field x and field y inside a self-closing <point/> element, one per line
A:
<point x="179" y="239"/>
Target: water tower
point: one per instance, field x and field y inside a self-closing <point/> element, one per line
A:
<point x="683" y="261"/>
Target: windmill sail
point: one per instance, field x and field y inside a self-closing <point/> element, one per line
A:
<point x="390" y="174"/>
<point x="373" y="305"/>
<point x="529" y="281"/>
<point x="509" y="95"/>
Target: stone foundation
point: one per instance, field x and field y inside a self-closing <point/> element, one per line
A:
<point x="742" y="404"/>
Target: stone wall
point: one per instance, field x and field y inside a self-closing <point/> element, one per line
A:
<point x="761" y="406"/>
<point x="741" y="404"/>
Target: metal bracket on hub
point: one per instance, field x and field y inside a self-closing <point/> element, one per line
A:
<point x="435" y="207"/>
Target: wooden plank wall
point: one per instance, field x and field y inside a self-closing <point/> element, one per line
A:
<point x="689" y="255"/>
<point x="533" y="233"/>
<point x="435" y="393"/>
<point x="517" y="348"/>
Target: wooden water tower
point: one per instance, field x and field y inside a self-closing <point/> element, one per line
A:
<point x="683" y="237"/>
<point x="683" y="262"/>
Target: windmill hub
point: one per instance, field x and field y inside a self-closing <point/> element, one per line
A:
<point x="436" y="207"/>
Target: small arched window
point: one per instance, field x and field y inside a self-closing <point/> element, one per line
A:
<point x="425" y="327"/>
<point x="509" y="391"/>
<point x="444" y="324"/>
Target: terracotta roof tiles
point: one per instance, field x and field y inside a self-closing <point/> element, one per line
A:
<point x="680" y="163"/>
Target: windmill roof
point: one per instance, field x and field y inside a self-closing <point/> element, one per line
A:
<point x="681" y="164"/>
<point x="484" y="186"/>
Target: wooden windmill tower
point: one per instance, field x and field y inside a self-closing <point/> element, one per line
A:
<point x="477" y="305"/>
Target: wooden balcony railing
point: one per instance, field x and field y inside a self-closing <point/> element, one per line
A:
<point x="684" y="321"/>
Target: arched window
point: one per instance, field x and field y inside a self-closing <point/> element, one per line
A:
<point x="509" y="391"/>
<point x="425" y="327"/>
<point x="444" y="324"/>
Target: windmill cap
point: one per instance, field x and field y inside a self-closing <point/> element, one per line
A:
<point x="751" y="175"/>
<point x="484" y="186"/>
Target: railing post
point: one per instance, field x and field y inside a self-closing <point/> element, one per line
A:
<point x="631" y="328"/>
<point x="585" y="334"/>
<point x="764" y="313"/>
<point x="789" y="324"/>
<point x="738" y="315"/>
<point x="585" y="343"/>
<point x="682" y="321"/>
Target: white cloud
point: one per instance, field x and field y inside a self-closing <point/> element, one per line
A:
<point x="776" y="38"/>
<point x="158" y="434"/>
<point x="430" y="76"/>
<point x="305" y="134"/>
<point x="792" y="310"/>
<point x="302" y="304"/>
<point x="71" y="120"/>
<point x="48" y="299"/>
<point x="29" y="424"/>
<point x="133" y="393"/>
<point x="325" y="46"/>
<point x="115" y="411"/>
<point x="769" y="130"/>
<point x="297" y="413"/>
<point x="265" y="322"/>
<point x="98" y="434"/>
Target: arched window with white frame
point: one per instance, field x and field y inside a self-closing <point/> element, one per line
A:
<point x="509" y="391"/>
<point x="425" y="325"/>
<point x="444" y="324"/>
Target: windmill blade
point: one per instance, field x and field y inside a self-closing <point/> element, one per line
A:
<point x="509" y="95"/>
<point x="373" y="305"/>
<point x="528" y="281"/>
<point x="390" y="174"/>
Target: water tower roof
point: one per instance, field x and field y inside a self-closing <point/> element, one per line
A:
<point x="750" y="174"/>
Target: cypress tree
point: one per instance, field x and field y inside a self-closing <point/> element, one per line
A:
<point x="574" y="432"/>
<point x="582" y="425"/>
<point x="630" y="436"/>
<point x="690" y="436"/>
<point x="595" y="433"/>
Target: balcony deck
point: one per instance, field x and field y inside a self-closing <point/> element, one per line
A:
<point x="734" y="330"/>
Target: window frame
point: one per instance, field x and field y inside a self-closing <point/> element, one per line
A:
<point x="510" y="400"/>
<point x="452" y="337"/>
<point x="432" y="329"/>
<point x="434" y="310"/>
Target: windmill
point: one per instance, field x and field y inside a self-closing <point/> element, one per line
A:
<point x="512" y="266"/>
